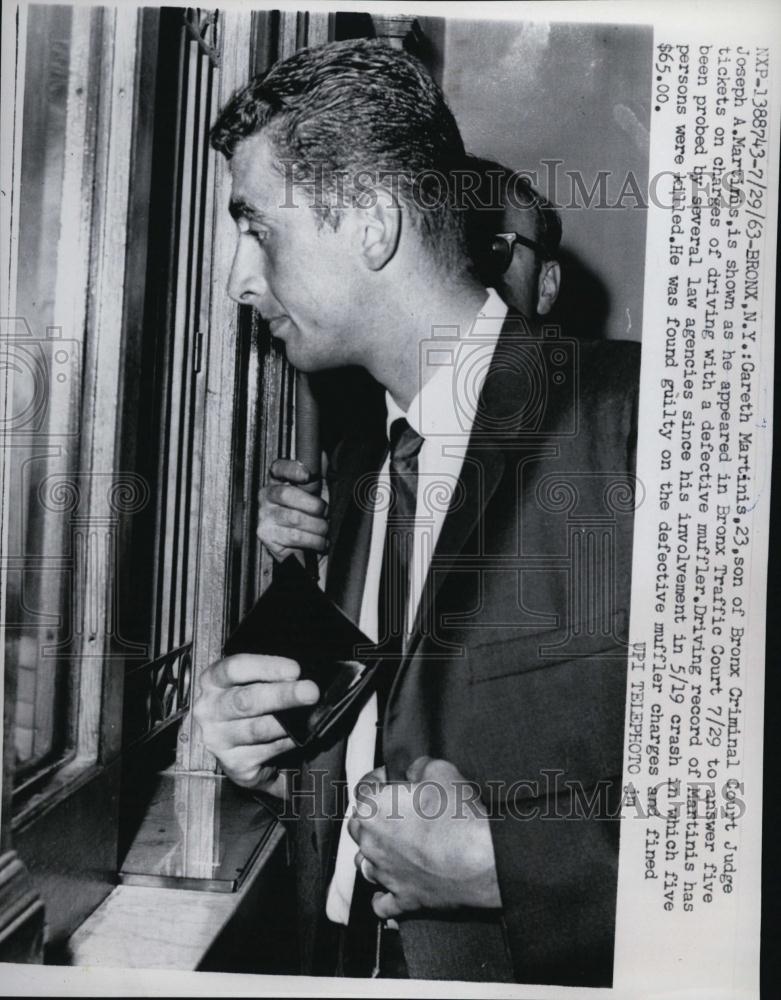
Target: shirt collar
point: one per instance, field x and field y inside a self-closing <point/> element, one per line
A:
<point x="435" y="410"/>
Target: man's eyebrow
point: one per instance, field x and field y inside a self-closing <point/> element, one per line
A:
<point x="241" y="209"/>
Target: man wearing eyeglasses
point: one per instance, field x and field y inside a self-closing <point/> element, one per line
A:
<point x="514" y="235"/>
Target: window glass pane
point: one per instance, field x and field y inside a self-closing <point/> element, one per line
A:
<point x="45" y="356"/>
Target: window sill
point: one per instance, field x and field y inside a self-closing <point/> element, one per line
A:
<point x="200" y="861"/>
<point x="144" y="927"/>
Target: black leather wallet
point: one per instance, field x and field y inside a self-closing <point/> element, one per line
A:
<point x="295" y="618"/>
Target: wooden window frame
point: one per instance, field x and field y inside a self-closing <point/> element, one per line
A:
<point x="245" y="415"/>
<point x="65" y="822"/>
<point x="95" y="201"/>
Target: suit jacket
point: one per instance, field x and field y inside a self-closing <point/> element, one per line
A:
<point x="516" y="670"/>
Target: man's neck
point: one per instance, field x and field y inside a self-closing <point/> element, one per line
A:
<point x="399" y="363"/>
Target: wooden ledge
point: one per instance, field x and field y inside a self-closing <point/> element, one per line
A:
<point x="161" y="928"/>
<point x="199" y="831"/>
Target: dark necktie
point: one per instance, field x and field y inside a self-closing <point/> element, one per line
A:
<point x="392" y="608"/>
<point x="364" y="929"/>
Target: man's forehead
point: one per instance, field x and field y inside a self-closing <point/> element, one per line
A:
<point x="257" y="185"/>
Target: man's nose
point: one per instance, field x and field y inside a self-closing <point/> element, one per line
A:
<point x="247" y="281"/>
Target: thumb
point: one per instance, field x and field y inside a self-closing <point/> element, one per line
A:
<point x="417" y="769"/>
<point x="431" y="768"/>
<point x="370" y="784"/>
<point x="378" y="776"/>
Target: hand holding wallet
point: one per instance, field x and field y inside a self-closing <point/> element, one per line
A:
<point x="296" y="619"/>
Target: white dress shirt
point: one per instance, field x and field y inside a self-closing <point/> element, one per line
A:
<point x="442" y="413"/>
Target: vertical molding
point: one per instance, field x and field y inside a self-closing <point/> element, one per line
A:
<point x="14" y="46"/>
<point x="202" y="283"/>
<point x="104" y="345"/>
<point x="69" y="316"/>
<point x="319" y="28"/>
<point x="289" y="27"/>
<point x="220" y="352"/>
<point x="14" y="37"/>
<point x="21" y="910"/>
<point x="399" y="31"/>
<point x="180" y="373"/>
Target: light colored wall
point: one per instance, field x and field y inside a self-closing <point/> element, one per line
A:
<point x="523" y="93"/>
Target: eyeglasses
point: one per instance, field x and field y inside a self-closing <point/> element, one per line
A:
<point x="504" y="243"/>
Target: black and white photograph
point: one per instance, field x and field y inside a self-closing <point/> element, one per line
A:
<point x="386" y="421"/>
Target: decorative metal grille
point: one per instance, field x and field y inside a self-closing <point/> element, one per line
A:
<point x="157" y="694"/>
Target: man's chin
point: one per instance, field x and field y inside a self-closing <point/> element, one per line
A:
<point x="307" y="365"/>
<point x="299" y="359"/>
<point x="286" y="334"/>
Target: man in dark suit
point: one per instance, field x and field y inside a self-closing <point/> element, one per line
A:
<point x="486" y="829"/>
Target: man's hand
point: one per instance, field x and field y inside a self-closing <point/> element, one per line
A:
<point x="292" y="519"/>
<point x="234" y="705"/>
<point x="427" y="841"/>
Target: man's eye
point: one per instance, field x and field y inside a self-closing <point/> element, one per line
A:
<point x="246" y="229"/>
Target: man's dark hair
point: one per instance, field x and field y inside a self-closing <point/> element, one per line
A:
<point x="345" y="116"/>
<point x="495" y="188"/>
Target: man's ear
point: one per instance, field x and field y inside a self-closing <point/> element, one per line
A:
<point x="548" y="286"/>
<point x="380" y="228"/>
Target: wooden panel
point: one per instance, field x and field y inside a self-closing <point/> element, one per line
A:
<point x="319" y="28"/>
<point x="13" y="54"/>
<point x="221" y="374"/>
<point x="104" y="357"/>
<point x="14" y="21"/>
<point x="290" y="26"/>
<point x="70" y="265"/>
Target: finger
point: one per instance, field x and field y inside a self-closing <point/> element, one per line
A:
<point x="290" y="470"/>
<point x="258" y="729"/>
<point x="369" y="872"/>
<point x="289" y="518"/>
<point x="246" y="668"/>
<point x="289" y="495"/>
<point x="246" y="700"/>
<point x="244" y="765"/>
<point x="366" y="868"/>
<point x="355" y="829"/>
<point x="378" y="776"/>
<point x="367" y="791"/>
<point x="417" y="769"/>
<point x="385" y="905"/>
<point x="292" y="538"/>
